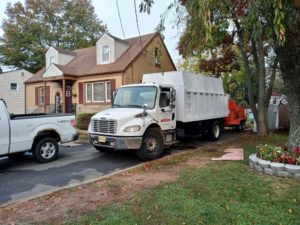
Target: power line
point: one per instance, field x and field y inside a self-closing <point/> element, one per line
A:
<point x="120" y="19"/>
<point x="137" y="23"/>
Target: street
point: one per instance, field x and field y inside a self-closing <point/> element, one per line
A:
<point x="24" y="177"/>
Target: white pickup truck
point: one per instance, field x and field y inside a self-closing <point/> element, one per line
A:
<point x="38" y="133"/>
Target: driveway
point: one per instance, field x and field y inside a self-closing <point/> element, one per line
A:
<point x="24" y="177"/>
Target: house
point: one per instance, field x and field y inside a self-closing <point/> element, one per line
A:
<point x="12" y="89"/>
<point x="85" y="78"/>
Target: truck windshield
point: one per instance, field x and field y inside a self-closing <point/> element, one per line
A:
<point x="135" y="97"/>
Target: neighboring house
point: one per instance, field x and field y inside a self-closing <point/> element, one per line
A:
<point x="12" y="89"/>
<point x="86" y="77"/>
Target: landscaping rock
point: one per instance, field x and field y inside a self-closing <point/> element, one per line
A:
<point x="283" y="174"/>
<point x="277" y="166"/>
<point x="264" y="163"/>
<point x="296" y="176"/>
<point x="255" y="160"/>
<point x="259" y="168"/>
<point x="292" y="168"/>
<point x="251" y="164"/>
<point x="269" y="171"/>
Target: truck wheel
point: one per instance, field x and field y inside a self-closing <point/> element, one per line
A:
<point x="241" y="126"/>
<point x="103" y="149"/>
<point x="214" y="131"/>
<point x="45" y="150"/>
<point x="152" y="145"/>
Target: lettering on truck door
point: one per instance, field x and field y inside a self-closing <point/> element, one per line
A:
<point x="166" y="111"/>
<point x="4" y="134"/>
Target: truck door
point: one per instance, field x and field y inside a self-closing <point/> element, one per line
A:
<point x="166" y="113"/>
<point x="4" y="134"/>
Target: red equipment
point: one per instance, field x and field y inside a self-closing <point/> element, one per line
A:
<point x="237" y="116"/>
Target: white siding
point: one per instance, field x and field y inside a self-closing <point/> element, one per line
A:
<point x="120" y="48"/>
<point x="15" y="99"/>
<point x="64" y="59"/>
<point x="52" y="71"/>
<point x="58" y="58"/>
<point x="51" y="53"/>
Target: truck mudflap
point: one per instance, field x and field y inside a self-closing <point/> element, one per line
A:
<point x="116" y="143"/>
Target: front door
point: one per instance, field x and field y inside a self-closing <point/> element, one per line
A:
<point x="4" y="134"/>
<point x="166" y="114"/>
<point x="68" y="99"/>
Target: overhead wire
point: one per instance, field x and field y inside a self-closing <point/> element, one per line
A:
<point x="120" y="19"/>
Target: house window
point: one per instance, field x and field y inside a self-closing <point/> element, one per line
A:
<point x="13" y="86"/>
<point x="42" y="95"/>
<point x="51" y="60"/>
<point x="108" y="91"/>
<point x="105" y="54"/>
<point x="88" y="92"/>
<point x="157" y="56"/>
<point x="98" y="92"/>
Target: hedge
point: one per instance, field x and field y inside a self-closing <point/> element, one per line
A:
<point x="83" y="120"/>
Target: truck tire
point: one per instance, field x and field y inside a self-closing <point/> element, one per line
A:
<point x="103" y="149"/>
<point x="152" y="145"/>
<point x="214" y="131"/>
<point x="241" y="126"/>
<point x="45" y="150"/>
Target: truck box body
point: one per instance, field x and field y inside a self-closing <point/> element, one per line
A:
<point x="198" y="97"/>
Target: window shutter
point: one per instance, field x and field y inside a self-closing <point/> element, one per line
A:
<point x="112" y="87"/>
<point x="80" y="93"/>
<point x="36" y="96"/>
<point x="47" y="95"/>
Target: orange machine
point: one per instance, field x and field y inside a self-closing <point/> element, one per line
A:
<point x="237" y="116"/>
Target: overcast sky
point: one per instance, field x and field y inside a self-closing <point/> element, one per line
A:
<point x="107" y="12"/>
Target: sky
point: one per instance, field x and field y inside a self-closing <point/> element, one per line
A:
<point x="106" y="11"/>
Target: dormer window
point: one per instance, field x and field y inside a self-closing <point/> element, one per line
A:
<point x="105" y="53"/>
<point x="51" y="60"/>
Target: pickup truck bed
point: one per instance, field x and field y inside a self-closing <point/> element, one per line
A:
<point x="38" y="133"/>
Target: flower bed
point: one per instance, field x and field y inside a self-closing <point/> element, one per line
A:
<point x="276" y="160"/>
<point x="276" y="153"/>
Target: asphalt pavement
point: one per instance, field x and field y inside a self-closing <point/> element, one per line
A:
<point x="24" y="177"/>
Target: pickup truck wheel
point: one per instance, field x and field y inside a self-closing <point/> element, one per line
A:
<point x="45" y="150"/>
<point x="152" y="145"/>
<point x="214" y="131"/>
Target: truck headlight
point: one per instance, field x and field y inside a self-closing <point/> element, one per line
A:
<point x="134" y="128"/>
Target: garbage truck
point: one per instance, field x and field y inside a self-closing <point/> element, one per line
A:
<point x="156" y="113"/>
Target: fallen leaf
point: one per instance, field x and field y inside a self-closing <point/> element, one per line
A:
<point x="290" y="210"/>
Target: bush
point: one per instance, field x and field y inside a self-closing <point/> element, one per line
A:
<point x="83" y="120"/>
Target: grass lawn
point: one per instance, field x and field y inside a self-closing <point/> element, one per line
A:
<point x="219" y="193"/>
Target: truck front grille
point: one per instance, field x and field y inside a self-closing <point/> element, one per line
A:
<point x="104" y="126"/>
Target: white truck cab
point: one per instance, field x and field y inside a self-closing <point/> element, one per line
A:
<point x="148" y="116"/>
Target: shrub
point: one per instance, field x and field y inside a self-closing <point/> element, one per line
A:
<point x="83" y="120"/>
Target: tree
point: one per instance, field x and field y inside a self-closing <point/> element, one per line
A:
<point x="258" y="24"/>
<point x="32" y="28"/>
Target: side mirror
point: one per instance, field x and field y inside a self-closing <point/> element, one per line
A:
<point x="145" y="106"/>
<point x="114" y="93"/>
<point x="173" y="95"/>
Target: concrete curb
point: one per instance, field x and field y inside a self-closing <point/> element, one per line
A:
<point x="273" y="168"/>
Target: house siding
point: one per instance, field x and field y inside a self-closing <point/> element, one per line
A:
<point x="105" y="40"/>
<point x="15" y="99"/>
<point x="64" y="59"/>
<point x="120" y="48"/>
<point x="145" y="63"/>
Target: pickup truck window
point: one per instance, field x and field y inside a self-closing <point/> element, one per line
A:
<point x="136" y="97"/>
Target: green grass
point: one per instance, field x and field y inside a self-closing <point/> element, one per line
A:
<point x="220" y="193"/>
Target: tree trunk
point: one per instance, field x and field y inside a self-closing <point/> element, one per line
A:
<point x="289" y="59"/>
<point x="259" y="61"/>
